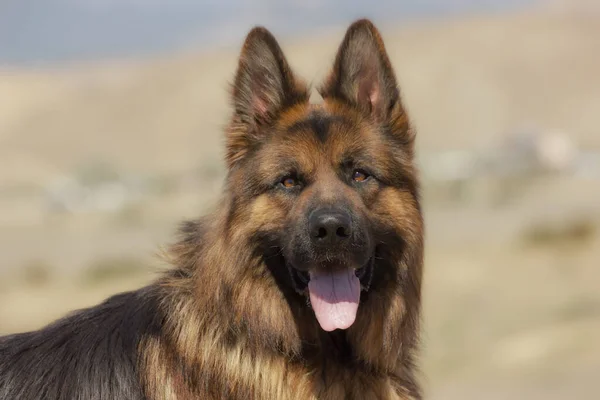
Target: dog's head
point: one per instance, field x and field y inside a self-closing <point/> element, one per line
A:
<point x="328" y="192"/>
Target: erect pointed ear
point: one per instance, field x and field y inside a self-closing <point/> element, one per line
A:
<point x="362" y="74"/>
<point x="264" y="85"/>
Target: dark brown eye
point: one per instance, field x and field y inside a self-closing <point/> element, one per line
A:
<point x="360" y="176"/>
<point x="289" y="182"/>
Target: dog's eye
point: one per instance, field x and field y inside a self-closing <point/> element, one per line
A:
<point x="360" y="176"/>
<point x="289" y="182"/>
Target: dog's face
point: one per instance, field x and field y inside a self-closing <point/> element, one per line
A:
<point x="329" y="190"/>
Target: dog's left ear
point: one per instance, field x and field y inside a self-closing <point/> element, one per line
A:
<point x="362" y="74"/>
<point x="264" y="86"/>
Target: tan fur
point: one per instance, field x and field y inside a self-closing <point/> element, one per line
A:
<point x="229" y="331"/>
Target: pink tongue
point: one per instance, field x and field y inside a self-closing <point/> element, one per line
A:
<point x="334" y="297"/>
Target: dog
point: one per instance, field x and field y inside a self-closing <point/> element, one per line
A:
<point x="305" y="281"/>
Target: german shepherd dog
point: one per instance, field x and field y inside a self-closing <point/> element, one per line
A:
<point x="305" y="283"/>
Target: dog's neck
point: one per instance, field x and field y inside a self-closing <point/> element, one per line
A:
<point x="282" y="322"/>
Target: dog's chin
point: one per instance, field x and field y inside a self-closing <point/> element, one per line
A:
<point x="301" y="277"/>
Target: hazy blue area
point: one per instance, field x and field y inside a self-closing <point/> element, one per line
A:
<point x="48" y="31"/>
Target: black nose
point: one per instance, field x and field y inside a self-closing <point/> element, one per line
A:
<point x="328" y="226"/>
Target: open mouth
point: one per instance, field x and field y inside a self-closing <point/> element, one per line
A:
<point x="334" y="293"/>
<point x="364" y="274"/>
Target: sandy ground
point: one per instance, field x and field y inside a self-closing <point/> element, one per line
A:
<point x="507" y="315"/>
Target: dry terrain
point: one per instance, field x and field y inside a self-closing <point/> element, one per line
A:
<point x="512" y="307"/>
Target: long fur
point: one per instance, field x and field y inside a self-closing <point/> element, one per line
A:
<point x="226" y="321"/>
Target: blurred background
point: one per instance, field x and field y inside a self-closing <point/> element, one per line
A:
<point x="111" y="114"/>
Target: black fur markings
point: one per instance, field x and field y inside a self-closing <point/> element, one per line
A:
<point x="319" y="124"/>
<point x="91" y="354"/>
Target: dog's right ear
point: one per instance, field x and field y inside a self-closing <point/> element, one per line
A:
<point x="264" y="85"/>
<point x="363" y="75"/>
